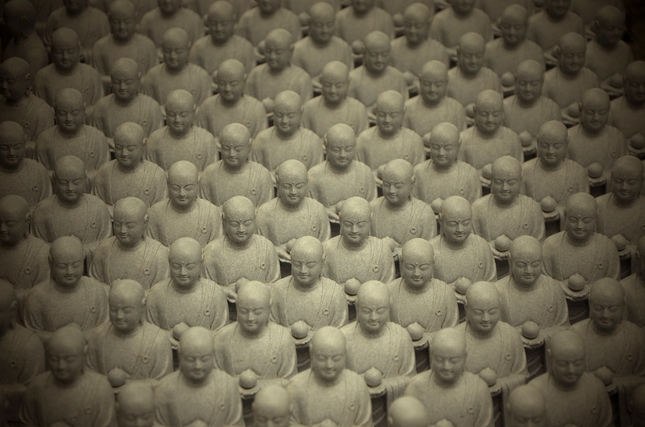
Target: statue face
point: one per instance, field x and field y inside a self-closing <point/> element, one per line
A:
<point x="328" y="362"/>
<point x="609" y="33"/>
<point x="354" y="228"/>
<point x="389" y="118"/>
<point x="417" y="269"/>
<point x="128" y="153"/>
<point x="69" y="117"/>
<point x="13" y="85"/>
<point x="13" y="228"/>
<point x="513" y="31"/>
<point x="234" y="153"/>
<point x="489" y="117"/>
<point x="463" y="7"/>
<point x="433" y="87"/>
<point x="470" y="59"/>
<point x="416" y="29"/>
<point x="129" y="227"/>
<point x="268" y="6"/>
<point x="483" y="314"/>
<point x="572" y="59"/>
<point x="377" y="59"/>
<point x="180" y="119"/>
<point x="271" y="416"/>
<point x="185" y="269"/>
<point x="286" y="118"/>
<point x="334" y="88"/>
<point x="526" y="268"/>
<point x="634" y="89"/>
<point x="66" y="55"/>
<point x="122" y="26"/>
<point x="182" y="192"/>
<point x="557" y="8"/>
<point x="292" y="190"/>
<point x="552" y="152"/>
<point x="397" y="190"/>
<point x="169" y="7"/>
<point x="277" y="56"/>
<point x="505" y="186"/>
<point x="321" y="28"/>
<point x="306" y="268"/>
<point x="527" y="418"/>
<point x="196" y="361"/>
<point x="134" y="416"/>
<point x="253" y="314"/>
<point x="69" y="187"/>
<point x="125" y="86"/>
<point x="625" y="185"/>
<point x="125" y="312"/>
<point x="444" y="153"/>
<point x="240" y="228"/>
<point x="580" y="224"/>
<point x="606" y="312"/>
<point x="221" y="27"/>
<point x="456" y="226"/>
<point x="373" y="312"/>
<point x="231" y="88"/>
<point x="12" y="151"/>
<point x="567" y="365"/>
<point x="75" y="6"/>
<point x="340" y="153"/>
<point x="362" y="6"/>
<point x="66" y="362"/>
<point x="67" y="268"/>
<point x="175" y="55"/>
<point x="447" y="362"/>
<point x="594" y="117"/>
<point x="528" y="88"/>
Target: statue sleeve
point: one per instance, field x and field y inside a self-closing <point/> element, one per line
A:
<point x="428" y="218"/>
<point x="233" y="404"/>
<point x="386" y="263"/>
<point x="97" y="269"/>
<point x="34" y="360"/>
<point x="339" y="309"/>
<point x="273" y="274"/>
<point x="33" y="309"/>
<point x="97" y="86"/>
<point x="613" y="260"/>
<point x="163" y="355"/>
<point x="92" y="357"/>
<point x="451" y="307"/>
<point x="537" y="220"/>
<point x="288" y="368"/>
<point x="604" y="407"/>
<point x="483" y="406"/>
<point x="473" y="186"/>
<point x="560" y="306"/>
<point x="219" y="308"/>
<point x="29" y="407"/>
<point x="364" y="410"/>
<point x="323" y="222"/>
<point x="361" y="122"/>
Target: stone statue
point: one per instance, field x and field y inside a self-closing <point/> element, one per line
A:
<point x="67" y="297"/>
<point x="634" y="286"/>
<point x="140" y="7"/>
<point x="625" y="111"/>
<point x="588" y="10"/>
<point x="130" y="175"/>
<point x="525" y="405"/>
<point x="449" y="392"/>
<point x="637" y="405"/>
<point x="329" y="393"/>
<point x="375" y="76"/>
<point x="256" y="24"/>
<point x="23" y="41"/>
<point x="21" y="176"/>
<point x="407" y="411"/>
<point x="354" y="23"/>
<point x="573" y="396"/>
<point x="456" y="20"/>
<point x="175" y="72"/>
<point x="170" y="14"/>
<point x="272" y="407"/>
<point x="68" y="391"/>
<point x="127" y="347"/>
<point x="334" y="106"/>
<point x="198" y="394"/>
<point x="341" y="176"/>
<point x="287" y="139"/>
<point x="135" y="405"/>
<point x="291" y="215"/>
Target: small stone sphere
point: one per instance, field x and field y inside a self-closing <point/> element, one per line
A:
<point x="502" y="243"/>
<point x="351" y="288"/>
<point x="248" y="379"/>
<point x="594" y="170"/>
<point x="508" y="79"/>
<point x="487" y="171"/>
<point x="398" y="19"/>
<point x="299" y="330"/>
<point x="268" y="104"/>
<point x="179" y="329"/>
<point x="305" y="19"/>
<point x="548" y="204"/>
<point x="444" y="423"/>
<point x="637" y="141"/>
<point x="574" y="110"/>
<point x="409" y="78"/>
<point x="470" y="110"/>
<point x="526" y="139"/>
<point x="426" y="139"/>
<point x="416" y="331"/>
<point x="620" y="242"/>
<point x="462" y="284"/>
<point x="436" y="205"/>
<point x="358" y="47"/>
<point x="489" y="376"/>
<point x="261" y="47"/>
<point x="616" y="81"/>
<point x="116" y="377"/>
<point x="290" y="244"/>
<point x="373" y="377"/>
<point x="530" y="330"/>
<point x="605" y="375"/>
<point x="576" y="282"/>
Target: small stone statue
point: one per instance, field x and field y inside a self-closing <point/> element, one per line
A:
<point x="354" y="23"/>
<point x="135" y="405"/>
<point x="456" y="20"/>
<point x="588" y="10"/>
<point x="256" y="24"/>
<point x="625" y="111"/>
<point x="526" y="404"/>
<point x="272" y="407"/>
<point x="634" y="286"/>
<point x="170" y="14"/>
<point x="23" y="41"/>
<point x="407" y="411"/>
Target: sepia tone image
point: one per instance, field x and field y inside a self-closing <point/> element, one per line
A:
<point x="322" y="213"/>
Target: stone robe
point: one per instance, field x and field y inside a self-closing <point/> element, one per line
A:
<point x="270" y="149"/>
<point x="537" y="183"/>
<point x="147" y="263"/>
<point x="85" y="79"/>
<point x="142" y="355"/>
<point x="216" y="401"/>
<point x="280" y="225"/>
<point x="519" y="118"/>
<point x="466" y="88"/>
<point x="478" y="149"/>
<point x="90" y="25"/>
<point x="414" y="220"/>
<point x="603" y="148"/>
<point x="375" y="150"/>
<point x="30" y="180"/>
<point x="154" y="25"/>
<point x="392" y="353"/>
<point x="460" y="180"/>
<point x="272" y="355"/>
<point x="198" y="146"/>
<point x="474" y="260"/>
<point x="89" y="402"/>
<point x="346" y="403"/>
<point x="324" y="304"/>
<point x="210" y="55"/>
<point x="596" y="260"/>
<point x="366" y="87"/>
<point x="107" y="115"/>
<point x="564" y="90"/>
<point x="501" y="59"/>
<point x="413" y="58"/>
<point x="32" y="113"/>
<point x="214" y="115"/>
<point x="587" y="405"/>
<point x="253" y="181"/>
<point x="614" y="219"/>
<point x="350" y="27"/>
<point x="546" y="33"/>
<point x="159" y="82"/>
<point x="168" y="305"/>
<point x="140" y="49"/>
<point x="329" y="186"/>
<point x="605" y="63"/>
<point x="634" y="286"/>
<point x="422" y="119"/>
<point x="263" y="83"/>
<point x="254" y="27"/>
<point x="626" y="118"/>
<point x="312" y="58"/>
<point x="147" y="182"/>
<point x="447" y="27"/>
<point x="203" y="223"/>
<point x="31" y="49"/>
<point x="89" y="145"/>
<point x="466" y="403"/>
<point x="318" y="117"/>
<point x="371" y="262"/>
<point x="523" y="217"/>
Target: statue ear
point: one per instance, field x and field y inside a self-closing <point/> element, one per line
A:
<point x="145" y="219"/>
<point x="194" y="108"/>
<point x="457" y="50"/>
<point x="556" y="51"/>
<point x="595" y="25"/>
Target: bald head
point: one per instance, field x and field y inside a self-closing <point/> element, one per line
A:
<point x="417" y="249"/>
<point x="12" y="133"/>
<point x="238" y="206"/>
<point x="515" y="14"/>
<point x="186" y="249"/>
<point x="307" y="247"/>
<point x="407" y="411"/>
<point x="134" y="401"/>
<point x="526" y="403"/>
<point x="472" y="42"/>
<point x="328" y="337"/>
<point x="253" y="295"/>
<point x="482" y="291"/>
<point x="445" y="134"/>
<point x="607" y="290"/>
<point x="506" y="166"/>
<point x="129" y="133"/>
<point x="608" y="25"/>
<point x="377" y="41"/>
<point x="124" y="68"/>
<point x="322" y="12"/>
<point x="15" y="67"/>
<point x="132" y="207"/>
<point x="235" y="133"/>
<point x="180" y="100"/>
<point x="291" y="171"/>
<point x="390" y="100"/>
<point x="231" y="69"/>
<point x="334" y="70"/>
<point x="127" y="290"/>
<point x="635" y="71"/>
<point x="489" y="99"/>
<point x="175" y="38"/>
<point x="196" y="338"/>
<point x="287" y="100"/>
<point x="455" y="206"/>
<point x="355" y="207"/>
<point x="530" y="70"/>
<point x="70" y="167"/>
<point x="68" y="339"/>
<point x="20" y="11"/>
<point x="340" y="134"/>
<point x="183" y="172"/>
<point x="221" y="11"/>
<point x="279" y="39"/>
<point x="572" y="42"/>
<point x="582" y="203"/>
<point x="272" y="403"/>
<point x="628" y="168"/>
<point x="419" y="12"/>
<point x="122" y="9"/>
<point x="595" y="98"/>
<point x="565" y="344"/>
<point x="398" y="170"/>
<point x="525" y="247"/>
<point x="12" y="145"/>
<point x="373" y="292"/>
<point x="449" y="339"/>
<point x="66" y="247"/>
<point x="65" y="38"/>
<point x="69" y="99"/>
<point x="434" y="70"/>
<point x="553" y="131"/>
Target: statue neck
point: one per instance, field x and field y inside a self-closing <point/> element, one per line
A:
<point x="196" y="383"/>
<point x="625" y="204"/>
<point x="123" y="42"/>
<point x="12" y="246"/>
<point x="68" y="384"/>
<point x="487" y="135"/>
<point x="374" y="73"/>
<point x="454" y="245"/>
<point x="125" y="102"/>
<point x="357" y="246"/>
<point x="279" y="71"/>
<point x="13" y="168"/>
<point x="447" y="384"/>
<point x="604" y="332"/>
<point x="187" y="289"/>
<point x="334" y="105"/>
<point x="131" y="332"/>
<point x="237" y="169"/>
<point x="337" y="170"/>
<point x="233" y="103"/>
<point x="579" y="242"/>
<point x="549" y="167"/>
<point x="432" y="104"/>
<point x="303" y="287"/>
<point x="254" y="335"/>
<point x="130" y="169"/>
<point x="392" y="135"/>
<point x="184" y="209"/>
<point x="287" y="136"/>
<point x="68" y="72"/>
<point x="589" y="132"/>
<point x="67" y="134"/>
<point x="131" y="247"/>
<point x="479" y="334"/>
<point x="401" y="206"/>
<point x="325" y="382"/>
<point x="240" y="246"/>
<point x="175" y="71"/>
<point x="526" y="104"/>
<point x="504" y="204"/>
<point x="183" y="134"/>
<point x="292" y="208"/>
<point x="372" y="334"/>
<point x="17" y="102"/>
<point x="522" y="287"/>
<point x="66" y="289"/>
<point x="444" y="168"/>
<point x="64" y="203"/>
<point x="416" y="289"/>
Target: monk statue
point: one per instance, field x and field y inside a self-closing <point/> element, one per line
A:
<point x="70" y="211"/>
<point x="278" y="74"/>
<point x="588" y="11"/>
<point x="180" y="140"/>
<point x="67" y="297"/>
<point x="376" y="344"/>
<point x="328" y="393"/>
<point x="625" y="111"/>
<point x="221" y="44"/>
<point x="495" y="11"/>
<point x="458" y="252"/>
<point x="334" y="106"/>
<point x="21" y="176"/>
<point x="182" y="214"/>
<point x="130" y="175"/>
<point x="527" y="110"/>
<point x="287" y="139"/>
<point x="637" y="406"/>
<point x="170" y="14"/>
<point x="65" y="71"/>
<point x="341" y="176"/>
<point x="375" y="76"/>
<point x="130" y="253"/>
<point x="71" y="136"/>
<point x="355" y="257"/>
<point x="356" y="22"/>
<point x="634" y="286"/>
<point x="89" y="23"/>
<point x="125" y="103"/>
<point x="23" y="352"/>
<point x="489" y="139"/>
<point x="470" y="77"/>
<point x="175" y="72"/>
<point x="23" y="41"/>
<point x="291" y="215"/>
<point x="240" y="255"/>
<point x="127" y="347"/>
<point x="321" y="46"/>
<point x="301" y="8"/>
<point x="198" y="394"/>
<point x="398" y="216"/>
<point x="593" y="140"/>
<point x="235" y="175"/>
<point x="407" y="411"/>
<point x="448" y="391"/>
<point x="272" y="407"/>
<point x="19" y="105"/>
<point x="526" y="405"/>
<point x="573" y="396"/>
<point x="570" y="79"/>
<point x="432" y="106"/>
<point x="231" y="105"/>
<point x="257" y="23"/>
<point x="68" y="391"/>
<point x="135" y="405"/>
<point x="122" y="42"/>
<point x="389" y="140"/>
<point x="140" y="7"/>
<point x="443" y="175"/>
<point x="451" y="23"/>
